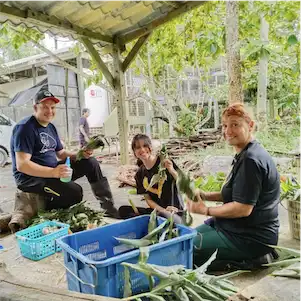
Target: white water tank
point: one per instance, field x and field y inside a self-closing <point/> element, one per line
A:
<point x="97" y="101"/>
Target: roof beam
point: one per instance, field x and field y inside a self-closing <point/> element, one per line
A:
<point x="160" y="21"/>
<point x="100" y="64"/>
<point x="62" y="62"/>
<point x="31" y="17"/>
<point x="134" y="51"/>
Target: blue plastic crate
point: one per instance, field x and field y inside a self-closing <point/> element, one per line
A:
<point x="93" y="258"/>
<point x="35" y="245"/>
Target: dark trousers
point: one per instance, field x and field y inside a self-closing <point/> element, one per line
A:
<point x="126" y="212"/>
<point x="69" y="193"/>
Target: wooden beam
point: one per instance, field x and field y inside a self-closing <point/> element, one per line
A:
<point x="62" y="62"/>
<point x="100" y="64"/>
<point x="80" y="83"/>
<point x="123" y="121"/>
<point x="160" y="21"/>
<point x="134" y="51"/>
<point x="38" y="18"/>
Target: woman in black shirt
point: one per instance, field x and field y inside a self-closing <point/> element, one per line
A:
<point x="247" y="222"/>
<point x="163" y="196"/>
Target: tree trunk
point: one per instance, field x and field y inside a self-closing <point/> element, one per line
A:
<point x="233" y="56"/>
<point x="262" y="77"/>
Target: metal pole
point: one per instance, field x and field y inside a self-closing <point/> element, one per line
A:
<point x="119" y="88"/>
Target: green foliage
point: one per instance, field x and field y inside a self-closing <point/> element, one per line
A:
<point x="281" y="136"/>
<point x="290" y="189"/>
<point x="211" y="182"/>
<point x="78" y="216"/>
<point x="187" y="122"/>
<point x="15" y="45"/>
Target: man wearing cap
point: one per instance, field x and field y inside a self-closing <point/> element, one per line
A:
<point x="35" y="147"/>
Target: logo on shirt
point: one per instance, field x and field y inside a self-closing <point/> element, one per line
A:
<point x="149" y="186"/>
<point x="49" y="143"/>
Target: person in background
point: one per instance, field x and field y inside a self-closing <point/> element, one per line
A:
<point x="162" y="196"/>
<point x="36" y="148"/>
<point x="247" y="223"/>
<point x="84" y="129"/>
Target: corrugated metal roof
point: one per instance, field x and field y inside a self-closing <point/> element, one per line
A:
<point x="98" y="20"/>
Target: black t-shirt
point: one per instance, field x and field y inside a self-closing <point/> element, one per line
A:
<point x="169" y="195"/>
<point x="253" y="180"/>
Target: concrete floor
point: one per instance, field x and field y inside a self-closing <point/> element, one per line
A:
<point x="51" y="271"/>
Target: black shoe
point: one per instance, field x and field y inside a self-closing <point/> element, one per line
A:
<point x="248" y="264"/>
<point x="110" y="210"/>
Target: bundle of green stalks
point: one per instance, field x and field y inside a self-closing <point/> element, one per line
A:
<point x="177" y="283"/>
<point x="156" y="234"/>
<point x="79" y="217"/>
<point x="94" y="143"/>
<point x="287" y="264"/>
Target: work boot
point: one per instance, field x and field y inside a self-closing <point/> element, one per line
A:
<point x="102" y="192"/>
<point x="4" y="221"/>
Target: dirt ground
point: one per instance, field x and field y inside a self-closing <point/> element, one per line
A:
<point x="51" y="271"/>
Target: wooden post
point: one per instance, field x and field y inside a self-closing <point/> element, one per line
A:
<point x="66" y="104"/>
<point x="216" y="114"/>
<point x="119" y="88"/>
<point x="34" y="75"/>
<point x="80" y="82"/>
<point x="298" y="165"/>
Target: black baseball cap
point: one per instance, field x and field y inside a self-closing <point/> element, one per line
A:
<point x="43" y="95"/>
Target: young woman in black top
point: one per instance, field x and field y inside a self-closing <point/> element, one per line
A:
<point x="247" y="222"/>
<point x="163" y="196"/>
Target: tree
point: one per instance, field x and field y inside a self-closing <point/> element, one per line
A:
<point x="233" y="53"/>
<point x="262" y="75"/>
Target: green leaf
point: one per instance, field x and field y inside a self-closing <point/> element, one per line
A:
<point x="194" y="294"/>
<point x="283" y="263"/>
<point x="127" y="292"/>
<point x="156" y="230"/>
<point x="144" y="254"/>
<point x="152" y="224"/>
<point x="134" y="242"/>
<point x="292" y="40"/>
<point x="155" y="297"/>
<point x="132" y="191"/>
<point x="264" y="53"/>
<point x="230" y="275"/>
<point x="203" y="268"/>
<point x="180" y="293"/>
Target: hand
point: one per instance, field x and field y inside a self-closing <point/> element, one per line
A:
<point x="168" y="165"/>
<point x="197" y="207"/>
<point x="172" y="209"/>
<point x="202" y="194"/>
<point x="61" y="171"/>
<point x="88" y="153"/>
